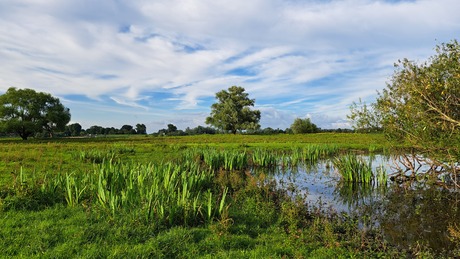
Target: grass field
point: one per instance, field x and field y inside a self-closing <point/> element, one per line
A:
<point x="174" y="197"/>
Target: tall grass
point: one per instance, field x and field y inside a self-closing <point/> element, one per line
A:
<point x="354" y="169"/>
<point x="94" y="156"/>
<point x="310" y="154"/>
<point x="216" y="160"/>
<point x="264" y="158"/>
<point x="166" y="194"/>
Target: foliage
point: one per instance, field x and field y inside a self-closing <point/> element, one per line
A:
<point x="300" y="126"/>
<point x="73" y="129"/>
<point x="200" y="130"/>
<point x="365" y="118"/>
<point x="421" y="104"/>
<point x="125" y="129"/>
<point x="141" y="129"/>
<point x="171" y="130"/>
<point x="26" y="112"/>
<point x="232" y="112"/>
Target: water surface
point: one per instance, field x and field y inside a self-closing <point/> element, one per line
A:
<point x="408" y="214"/>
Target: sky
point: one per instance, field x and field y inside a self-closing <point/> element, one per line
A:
<point x="117" y="62"/>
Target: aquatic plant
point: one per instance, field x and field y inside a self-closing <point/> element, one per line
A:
<point x="354" y="169"/>
<point x="167" y="194"/>
<point x="264" y="158"/>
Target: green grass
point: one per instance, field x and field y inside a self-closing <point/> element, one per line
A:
<point x="173" y="197"/>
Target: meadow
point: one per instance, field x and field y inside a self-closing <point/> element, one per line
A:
<point x="179" y="197"/>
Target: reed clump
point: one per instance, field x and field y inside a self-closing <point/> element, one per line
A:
<point x="164" y="194"/>
<point x="264" y="158"/>
<point x="216" y="160"/>
<point x="310" y="154"/>
<point x="354" y="169"/>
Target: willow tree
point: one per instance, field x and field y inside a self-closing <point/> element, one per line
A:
<point x="26" y="112"/>
<point x="421" y="105"/>
<point x="232" y="112"/>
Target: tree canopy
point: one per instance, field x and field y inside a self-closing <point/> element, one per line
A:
<point x="300" y="126"/>
<point x="141" y="128"/>
<point x="73" y="129"/>
<point x="365" y="118"/>
<point x="27" y="112"/>
<point x="232" y="112"/>
<point x="421" y="104"/>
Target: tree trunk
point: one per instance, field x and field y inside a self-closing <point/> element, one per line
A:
<point x="22" y="133"/>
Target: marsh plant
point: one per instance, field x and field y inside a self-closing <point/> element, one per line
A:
<point x="94" y="156"/>
<point x="216" y="160"/>
<point x="165" y="194"/>
<point x="310" y="154"/>
<point x="264" y="158"/>
<point x="354" y="169"/>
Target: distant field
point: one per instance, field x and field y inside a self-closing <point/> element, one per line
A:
<point x="60" y="154"/>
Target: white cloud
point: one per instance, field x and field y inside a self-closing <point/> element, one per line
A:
<point x="296" y="57"/>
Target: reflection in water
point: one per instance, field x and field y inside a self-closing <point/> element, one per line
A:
<point x="421" y="216"/>
<point x="409" y="215"/>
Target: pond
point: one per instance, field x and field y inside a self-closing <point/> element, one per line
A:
<point x="409" y="214"/>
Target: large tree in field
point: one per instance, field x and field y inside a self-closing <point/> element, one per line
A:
<point x="421" y="105"/>
<point x="232" y="112"/>
<point x="26" y="112"/>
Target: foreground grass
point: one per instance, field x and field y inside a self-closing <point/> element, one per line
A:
<point x="259" y="220"/>
<point x="62" y="232"/>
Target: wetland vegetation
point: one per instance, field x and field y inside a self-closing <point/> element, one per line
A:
<point x="225" y="196"/>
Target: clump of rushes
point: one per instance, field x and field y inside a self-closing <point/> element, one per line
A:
<point x="310" y="154"/>
<point x="94" y="156"/>
<point x="216" y="160"/>
<point x="354" y="169"/>
<point x="381" y="176"/>
<point x="235" y="160"/>
<point x="167" y="194"/>
<point x="264" y="158"/>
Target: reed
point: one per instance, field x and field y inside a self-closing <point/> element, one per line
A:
<point x="235" y="160"/>
<point x="169" y="194"/>
<point x="381" y="176"/>
<point x="354" y="169"/>
<point x="264" y="158"/>
<point x="310" y="154"/>
<point x="94" y="156"/>
<point x="216" y="160"/>
<point x="74" y="190"/>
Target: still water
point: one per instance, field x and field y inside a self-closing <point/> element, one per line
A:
<point x="408" y="214"/>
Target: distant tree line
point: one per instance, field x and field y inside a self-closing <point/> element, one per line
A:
<point x="305" y="127"/>
<point x="76" y="129"/>
<point x="27" y="113"/>
<point x="172" y="130"/>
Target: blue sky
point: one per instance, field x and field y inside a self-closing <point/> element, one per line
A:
<point x="162" y="61"/>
